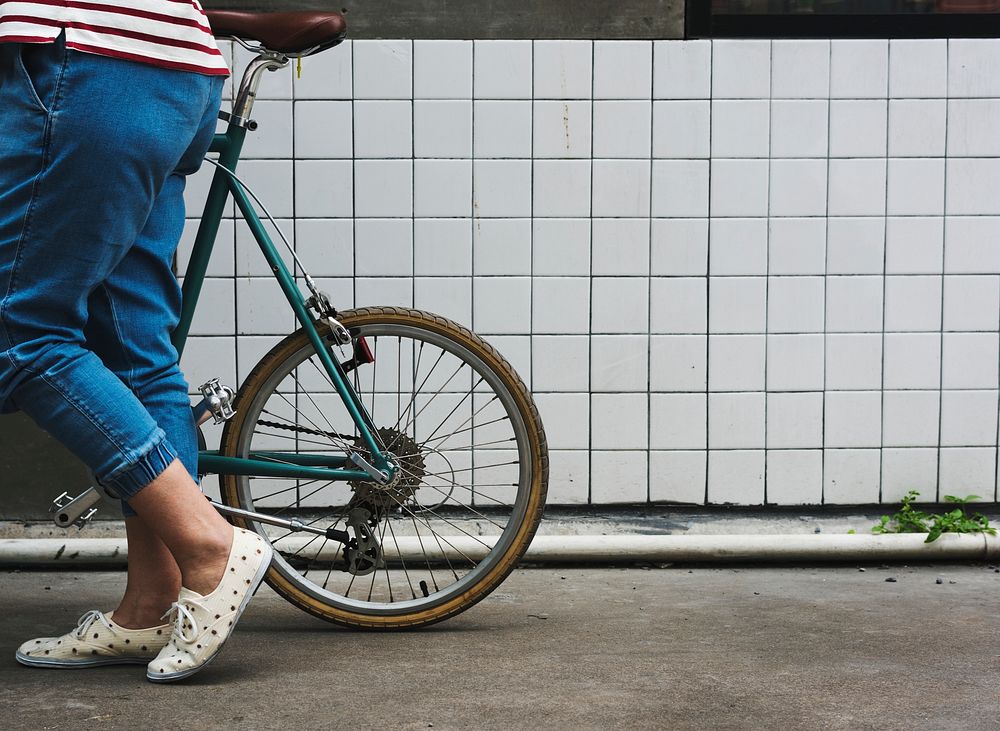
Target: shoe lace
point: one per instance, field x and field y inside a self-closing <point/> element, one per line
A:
<point x="85" y="622"/>
<point x="183" y="619"/>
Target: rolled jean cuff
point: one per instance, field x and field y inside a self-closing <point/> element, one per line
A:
<point x="129" y="480"/>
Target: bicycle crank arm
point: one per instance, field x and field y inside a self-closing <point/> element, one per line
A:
<point x="295" y="526"/>
<point x="76" y="511"/>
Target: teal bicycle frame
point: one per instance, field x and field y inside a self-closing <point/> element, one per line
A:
<point x="229" y="145"/>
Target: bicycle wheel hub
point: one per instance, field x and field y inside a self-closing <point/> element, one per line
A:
<point x="409" y="461"/>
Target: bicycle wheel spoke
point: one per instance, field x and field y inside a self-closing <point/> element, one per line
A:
<point x="316" y="557"/>
<point x="371" y="411"/>
<point x="479" y="446"/>
<point x="413" y="397"/>
<point x="347" y="592"/>
<point x="304" y="546"/>
<point x="279" y="492"/>
<point x="329" y="573"/>
<point x="388" y="581"/>
<point x="297" y="429"/>
<point x="452" y="483"/>
<point x="485" y="466"/>
<point x="300" y="499"/>
<point x="431" y="399"/>
<point x="314" y="425"/>
<point x="438" y="537"/>
<point x="444" y="553"/>
<point x="456" y="527"/>
<point x="399" y="373"/>
<point x="303" y="440"/>
<point x="423" y="551"/>
<point x="457" y="406"/>
<point x="460" y="431"/>
<point x="479" y="493"/>
<point x="402" y="560"/>
<point x="471" y="509"/>
<point x="344" y="445"/>
<point x="299" y="388"/>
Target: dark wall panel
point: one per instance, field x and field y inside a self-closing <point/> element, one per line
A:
<point x="34" y="468"/>
<point x="486" y="19"/>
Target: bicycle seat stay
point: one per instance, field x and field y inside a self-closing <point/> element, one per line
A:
<point x="293" y="33"/>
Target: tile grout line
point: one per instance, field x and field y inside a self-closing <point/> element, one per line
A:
<point x="708" y="258"/>
<point x="354" y="186"/>
<point x="885" y="259"/>
<point x="473" y="218"/>
<point x="590" y="282"/>
<point x="767" y="253"/>
<point x="413" y="177"/>
<point x="826" y="246"/>
<point x="944" y="239"/>
<point x="295" y="268"/>
<point x="996" y="442"/>
<point x="531" y="223"/>
<point x="649" y="284"/>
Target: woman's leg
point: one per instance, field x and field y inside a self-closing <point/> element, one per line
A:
<point x="132" y="314"/>
<point x="196" y="535"/>
<point x="154" y="580"/>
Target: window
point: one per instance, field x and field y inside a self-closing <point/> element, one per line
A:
<point x="842" y="18"/>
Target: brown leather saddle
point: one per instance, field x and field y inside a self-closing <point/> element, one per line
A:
<point x="297" y="33"/>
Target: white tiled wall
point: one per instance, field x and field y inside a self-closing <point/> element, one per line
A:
<point x="733" y="271"/>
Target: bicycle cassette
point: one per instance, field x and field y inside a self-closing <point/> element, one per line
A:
<point x="411" y="470"/>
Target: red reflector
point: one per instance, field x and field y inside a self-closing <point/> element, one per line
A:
<point x="362" y="353"/>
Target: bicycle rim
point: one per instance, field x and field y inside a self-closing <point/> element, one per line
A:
<point x="473" y="458"/>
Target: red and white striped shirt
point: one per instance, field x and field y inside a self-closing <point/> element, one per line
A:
<point x="172" y="34"/>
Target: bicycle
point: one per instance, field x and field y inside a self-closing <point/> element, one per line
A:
<point x="417" y="485"/>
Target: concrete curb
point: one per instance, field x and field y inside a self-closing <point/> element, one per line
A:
<point x="594" y="549"/>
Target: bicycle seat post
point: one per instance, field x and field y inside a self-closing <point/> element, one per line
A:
<point x="266" y="61"/>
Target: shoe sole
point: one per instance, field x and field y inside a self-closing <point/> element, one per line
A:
<point x="258" y="579"/>
<point x="57" y="664"/>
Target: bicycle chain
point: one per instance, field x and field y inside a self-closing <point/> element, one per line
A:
<point x="305" y="430"/>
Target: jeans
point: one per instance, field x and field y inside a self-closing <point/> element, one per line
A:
<point x="93" y="157"/>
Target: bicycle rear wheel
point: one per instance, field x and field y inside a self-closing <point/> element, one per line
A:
<point x="473" y="457"/>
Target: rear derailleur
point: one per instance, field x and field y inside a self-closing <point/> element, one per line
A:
<point x="363" y="552"/>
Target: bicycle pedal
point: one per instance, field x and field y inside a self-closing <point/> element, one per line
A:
<point x="217" y="403"/>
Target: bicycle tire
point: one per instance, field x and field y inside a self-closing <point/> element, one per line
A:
<point x="286" y="358"/>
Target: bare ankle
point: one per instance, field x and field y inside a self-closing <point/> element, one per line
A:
<point x="202" y="569"/>
<point x="149" y="614"/>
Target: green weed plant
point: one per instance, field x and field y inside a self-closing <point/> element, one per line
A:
<point x="910" y="520"/>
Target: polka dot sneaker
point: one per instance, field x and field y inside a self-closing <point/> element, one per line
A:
<point x="202" y="624"/>
<point x="97" y="640"/>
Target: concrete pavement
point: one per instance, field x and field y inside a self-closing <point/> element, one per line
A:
<point x="670" y="648"/>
